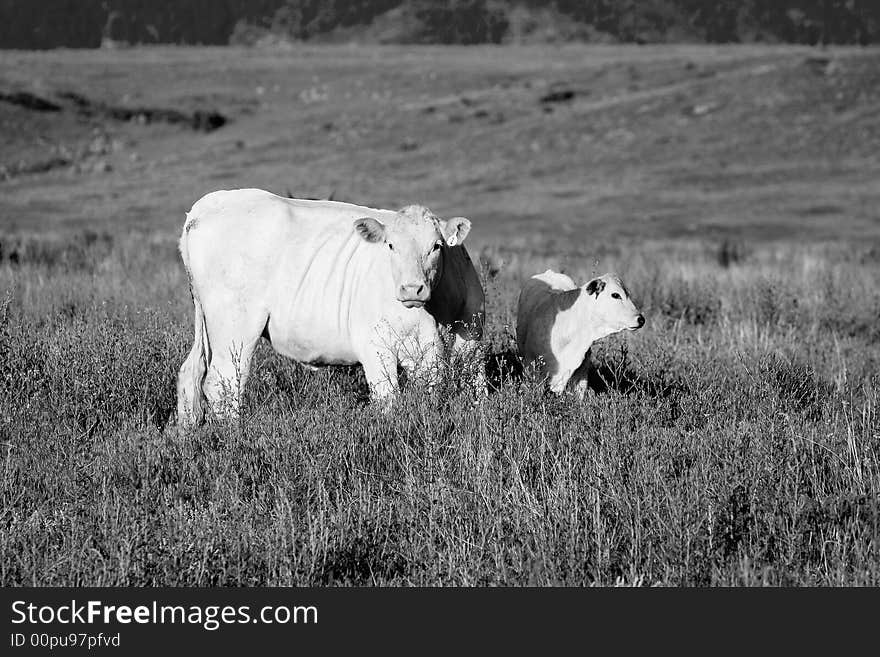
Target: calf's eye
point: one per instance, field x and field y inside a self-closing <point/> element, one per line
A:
<point x="436" y="246"/>
<point x="615" y="295"/>
<point x="390" y="246"/>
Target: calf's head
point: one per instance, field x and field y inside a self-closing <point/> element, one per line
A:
<point x="415" y="241"/>
<point x="610" y="306"/>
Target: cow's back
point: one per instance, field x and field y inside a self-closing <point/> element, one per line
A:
<point x="259" y="227"/>
<point x="255" y="212"/>
<point x="555" y="280"/>
<point x="298" y="262"/>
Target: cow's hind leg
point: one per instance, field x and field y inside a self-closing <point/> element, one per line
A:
<point x="187" y="400"/>
<point x="190" y="398"/>
<point x="233" y="337"/>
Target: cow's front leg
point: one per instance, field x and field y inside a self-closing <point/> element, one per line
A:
<point x="580" y="380"/>
<point x="559" y="381"/>
<point x="380" y="370"/>
<point x="579" y="388"/>
<point x="421" y="353"/>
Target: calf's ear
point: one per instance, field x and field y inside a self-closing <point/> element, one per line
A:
<point x="455" y="230"/>
<point x="369" y="229"/>
<point x="595" y="286"/>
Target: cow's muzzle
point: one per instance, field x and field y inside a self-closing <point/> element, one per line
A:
<point x="414" y="295"/>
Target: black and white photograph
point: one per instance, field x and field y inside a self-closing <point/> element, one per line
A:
<point x="396" y="294"/>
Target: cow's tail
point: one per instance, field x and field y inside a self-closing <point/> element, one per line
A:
<point x="199" y="363"/>
<point x="195" y="369"/>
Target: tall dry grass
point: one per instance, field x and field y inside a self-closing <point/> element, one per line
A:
<point x="734" y="440"/>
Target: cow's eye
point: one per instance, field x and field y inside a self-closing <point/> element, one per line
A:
<point x="615" y="295"/>
<point x="436" y="246"/>
<point x="390" y="246"/>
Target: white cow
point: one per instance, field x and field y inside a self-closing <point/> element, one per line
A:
<point x="327" y="283"/>
<point x="557" y="322"/>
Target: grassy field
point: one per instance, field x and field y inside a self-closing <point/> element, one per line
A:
<point x="735" y="440"/>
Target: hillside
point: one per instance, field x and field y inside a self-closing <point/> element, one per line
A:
<point x="579" y="142"/>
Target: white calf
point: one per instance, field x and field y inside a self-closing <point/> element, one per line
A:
<point x="557" y="322"/>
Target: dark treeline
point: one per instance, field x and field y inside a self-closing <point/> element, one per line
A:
<point x="725" y="21"/>
<point x="89" y="23"/>
<point x="32" y="24"/>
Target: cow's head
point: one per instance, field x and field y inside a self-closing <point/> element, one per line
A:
<point x="610" y="306"/>
<point x="415" y="242"/>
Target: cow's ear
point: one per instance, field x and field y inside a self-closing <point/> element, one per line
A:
<point x="455" y="230"/>
<point x="595" y="286"/>
<point x="369" y="229"/>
